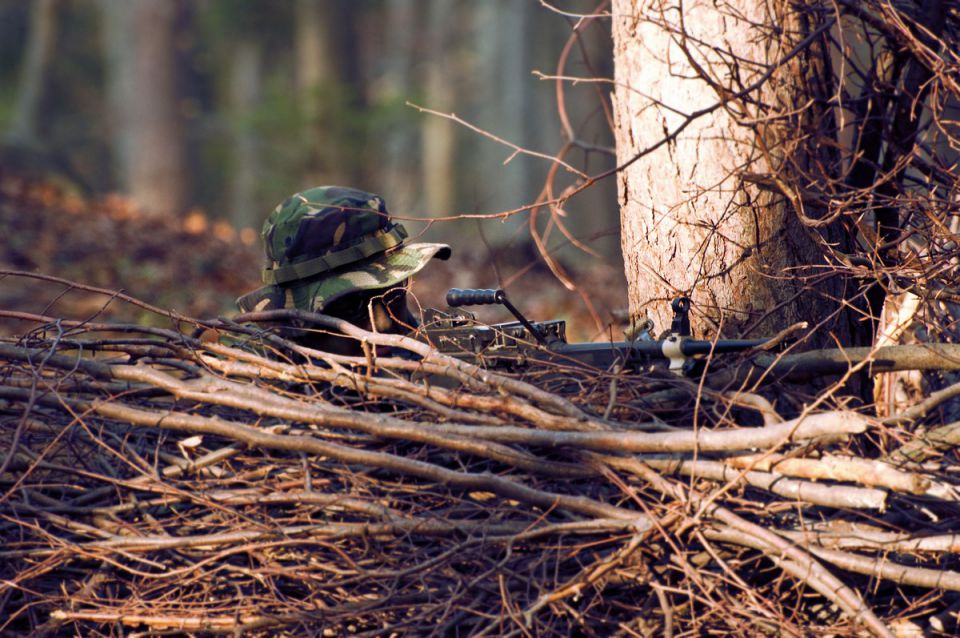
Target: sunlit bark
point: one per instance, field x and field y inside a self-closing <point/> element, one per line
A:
<point x="691" y="225"/>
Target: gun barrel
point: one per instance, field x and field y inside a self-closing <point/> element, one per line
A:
<point x="602" y="354"/>
<point x="691" y="347"/>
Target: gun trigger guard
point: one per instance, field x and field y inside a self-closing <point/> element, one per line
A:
<point x="673" y="352"/>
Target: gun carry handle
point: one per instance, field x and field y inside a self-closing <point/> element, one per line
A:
<point x="473" y="297"/>
<point x="480" y="297"/>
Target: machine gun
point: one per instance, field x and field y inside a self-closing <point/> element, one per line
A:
<point x="522" y="343"/>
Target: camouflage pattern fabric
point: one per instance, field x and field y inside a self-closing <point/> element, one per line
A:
<point x="331" y="241"/>
<point x="321" y="220"/>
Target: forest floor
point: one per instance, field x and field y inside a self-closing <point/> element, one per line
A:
<point x="197" y="265"/>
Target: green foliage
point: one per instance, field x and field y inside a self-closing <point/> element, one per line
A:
<point x="14" y="17"/>
<point x="8" y="97"/>
<point x="14" y="23"/>
<point x="226" y="20"/>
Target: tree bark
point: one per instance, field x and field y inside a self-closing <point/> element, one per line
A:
<point x="503" y="62"/>
<point x="438" y="177"/>
<point x="144" y="92"/>
<point x="330" y="89"/>
<point x="120" y="83"/>
<point x="398" y="169"/>
<point x="41" y="41"/>
<point x="245" y="95"/>
<point x="315" y="73"/>
<point x="691" y="225"/>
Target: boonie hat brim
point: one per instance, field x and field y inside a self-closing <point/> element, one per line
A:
<point x="381" y="271"/>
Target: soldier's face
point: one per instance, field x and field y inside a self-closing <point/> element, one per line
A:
<point x="381" y="310"/>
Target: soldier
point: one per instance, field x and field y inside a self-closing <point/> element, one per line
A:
<point x="336" y="251"/>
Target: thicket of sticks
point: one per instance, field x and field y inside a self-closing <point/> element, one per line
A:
<point x="209" y="477"/>
<point x="201" y="477"/>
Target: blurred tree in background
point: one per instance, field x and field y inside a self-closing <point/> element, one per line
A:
<point x="228" y="106"/>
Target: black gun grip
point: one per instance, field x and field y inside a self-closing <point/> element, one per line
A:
<point x="473" y="297"/>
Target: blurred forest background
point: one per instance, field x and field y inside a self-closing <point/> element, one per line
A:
<point x="186" y="122"/>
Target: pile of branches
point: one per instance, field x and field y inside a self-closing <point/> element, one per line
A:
<point x="210" y="477"/>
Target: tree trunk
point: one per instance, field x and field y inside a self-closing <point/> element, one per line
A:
<point x="691" y="224"/>
<point x="330" y="90"/>
<point x="315" y="74"/>
<point x="400" y="146"/>
<point x="245" y="94"/>
<point x="41" y="39"/>
<point x="503" y="64"/>
<point x="120" y="84"/>
<point x="143" y="89"/>
<point x="439" y="184"/>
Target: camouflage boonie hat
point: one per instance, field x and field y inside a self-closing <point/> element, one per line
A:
<point x="328" y="241"/>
